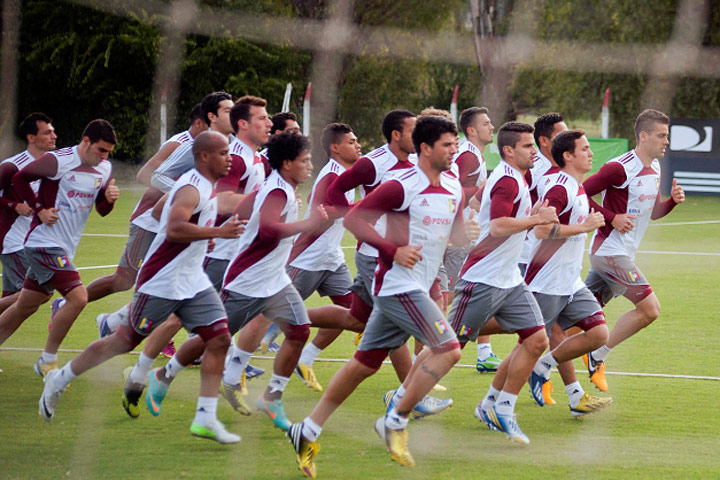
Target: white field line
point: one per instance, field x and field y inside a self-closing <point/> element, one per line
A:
<point x="92" y="267"/>
<point x="344" y="360"/>
<point x="657" y="252"/>
<point x="673" y="224"/>
<point x="111" y="235"/>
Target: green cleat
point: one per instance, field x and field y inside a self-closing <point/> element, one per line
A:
<point x="131" y="394"/>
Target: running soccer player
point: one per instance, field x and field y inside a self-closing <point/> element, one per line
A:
<point x="490" y="281"/>
<point x="553" y="273"/>
<point x="424" y="210"/>
<point x="15" y="215"/>
<point x="172" y="281"/>
<point x="630" y="186"/>
<point x="71" y="180"/>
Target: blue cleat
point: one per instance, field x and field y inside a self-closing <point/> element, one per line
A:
<point x="157" y="389"/>
<point x="482" y="415"/>
<point x="102" y="325"/>
<point x="536" y="383"/>
<point x="274" y="409"/>
<point x="508" y="425"/>
<point x="252" y="372"/>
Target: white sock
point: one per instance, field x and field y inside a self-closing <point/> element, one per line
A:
<point x="505" y="404"/>
<point x="414" y="357"/>
<point x="574" y="392"/>
<point x="120" y="317"/>
<point x="310" y="429"/>
<point x="173" y="367"/>
<point x="490" y="399"/>
<point x="309" y="354"/>
<point x="235" y="367"/>
<point x="64" y="377"/>
<point x="544" y="364"/>
<point x="46" y="357"/>
<point x="278" y="383"/>
<point x="140" y="371"/>
<point x="400" y="392"/>
<point x="484" y="351"/>
<point x="601" y="353"/>
<point x="206" y="412"/>
<point x="393" y="421"/>
<point x="61" y="303"/>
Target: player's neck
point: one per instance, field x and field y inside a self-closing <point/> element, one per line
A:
<point x="35" y="152"/>
<point x="546" y="154"/>
<point x="574" y="173"/>
<point x="214" y="129"/>
<point x="431" y="173"/>
<point x="480" y="145"/>
<point x="398" y="152"/>
<point x="287" y="179"/>
<point x="644" y="157"/>
<point x="244" y="139"/>
<point x="205" y="172"/>
<point x="345" y="164"/>
<point x="514" y="165"/>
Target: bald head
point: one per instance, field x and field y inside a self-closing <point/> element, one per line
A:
<point x="208" y="142"/>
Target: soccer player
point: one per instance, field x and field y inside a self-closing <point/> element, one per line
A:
<point x="172" y="281"/>
<point x="424" y="210"/>
<point x="490" y="281"/>
<point x="15" y="215"/>
<point x="71" y="180"/>
<point x="630" y="186"/>
<point x="553" y="273"/>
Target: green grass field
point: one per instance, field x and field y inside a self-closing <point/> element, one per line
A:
<point x="656" y="428"/>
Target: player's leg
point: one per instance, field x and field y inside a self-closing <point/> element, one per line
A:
<point x="14" y="269"/>
<point x="29" y="300"/>
<point x="75" y="301"/>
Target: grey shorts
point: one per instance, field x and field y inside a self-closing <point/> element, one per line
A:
<point x="215" y="270"/>
<point x="613" y="276"/>
<point x="136" y="248"/>
<point x="14" y="268"/>
<point x="567" y="310"/>
<point x="444" y="280"/>
<point x="475" y="303"/>
<point x="49" y="269"/>
<point x="454" y="259"/>
<point x="397" y="317"/>
<point x="285" y="306"/>
<point x="147" y="312"/>
<point x="362" y="285"/>
<point x="327" y="283"/>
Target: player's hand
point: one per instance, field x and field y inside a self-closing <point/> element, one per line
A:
<point x="677" y="192"/>
<point x="594" y="221"/>
<point x="211" y="245"/>
<point x="472" y="227"/>
<point x="474" y="203"/>
<point x="545" y="214"/>
<point x="319" y="215"/>
<point x="623" y="222"/>
<point x="233" y="228"/>
<point x="111" y="191"/>
<point x="408" y="255"/>
<point x="49" y="216"/>
<point x="23" y="209"/>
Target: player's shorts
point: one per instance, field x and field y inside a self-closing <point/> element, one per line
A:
<point x="215" y="270"/>
<point x="136" y="249"/>
<point x="515" y="309"/>
<point x="442" y="278"/>
<point x="285" y="306"/>
<point x="613" y="276"/>
<point x="362" y="285"/>
<point x="147" y="312"/>
<point x="454" y="259"/>
<point x="395" y="318"/>
<point x="567" y="310"/>
<point x="326" y="282"/>
<point x="14" y="268"/>
<point x="50" y="269"/>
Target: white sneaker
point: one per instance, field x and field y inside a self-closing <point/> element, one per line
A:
<point x="215" y="431"/>
<point x="50" y="396"/>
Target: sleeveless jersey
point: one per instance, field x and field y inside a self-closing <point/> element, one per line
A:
<point x="14" y="227"/>
<point x="469" y="148"/>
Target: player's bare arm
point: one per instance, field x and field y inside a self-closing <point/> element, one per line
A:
<point x="145" y="174"/>
<point x="179" y="227"/>
<point x="506" y="226"/>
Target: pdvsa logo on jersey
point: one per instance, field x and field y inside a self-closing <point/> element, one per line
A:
<point x="73" y="194"/>
<point x="427" y="221"/>
<point x="691" y="139"/>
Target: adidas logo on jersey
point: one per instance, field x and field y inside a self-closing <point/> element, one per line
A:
<point x="424" y="203"/>
<point x="71" y="178"/>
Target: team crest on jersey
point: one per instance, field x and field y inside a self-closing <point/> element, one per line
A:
<point x="453" y="205"/>
<point x="63" y="261"/>
<point x="441" y="327"/>
<point x="98" y="183"/>
<point x="657" y="183"/>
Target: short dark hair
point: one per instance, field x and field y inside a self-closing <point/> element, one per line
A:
<point x="430" y="128"/>
<point x="100" y="129"/>
<point x="468" y="116"/>
<point x="285" y="146"/>
<point x="509" y="134"/>
<point x="564" y="142"/>
<point x="196" y="113"/>
<point x="333" y="134"/>
<point x="280" y="121"/>
<point x="211" y="103"/>
<point x="29" y="124"/>
<point x="241" y="109"/>
<point x="545" y="124"/>
<point x="394" y="121"/>
<point x="647" y="118"/>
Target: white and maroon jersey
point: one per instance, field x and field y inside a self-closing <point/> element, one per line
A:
<point x="259" y="268"/>
<point x="470" y="168"/>
<point x="13" y="227"/>
<point x="180" y="161"/>
<point x="554" y="268"/>
<point x="533" y="175"/>
<point x="541" y="175"/>
<point x="174" y="270"/>
<point x="630" y="188"/>
<point x="74" y="188"/>
<point x="494" y="260"/>
<point x="246" y="175"/>
<point x="320" y="249"/>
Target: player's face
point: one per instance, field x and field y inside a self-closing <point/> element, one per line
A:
<point x="442" y="152"/>
<point x="221" y="122"/>
<point x="406" y="143"/>
<point x="94" y="153"/>
<point x="259" y="125"/>
<point x="657" y="140"/>
<point x="557" y="128"/>
<point x="582" y="155"/>
<point x="484" y="128"/>
<point x="300" y="169"/>
<point x="45" y="138"/>
<point x="348" y="149"/>
<point x="291" y="126"/>
<point x="219" y="160"/>
<point x="523" y="152"/>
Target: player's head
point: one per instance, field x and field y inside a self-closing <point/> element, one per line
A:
<point x="289" y="154"/>
<point x="652" y="132"/>
<point x="397" y="127"/>
<point x="197" y="121"/>
<point x="546" y="127"/>
<point x="284" y="122"/>
<point x="476" y="125"/>
<point x="216" y="111"/>
<point x="339" y="142"/>
<point x="436" y="112"/>
<point x="98" y="140"/>
<point x="434" y="139"/>
<point x="572" y="147"/>
<point x="211" y="152"/>
<point x="37" y="131"/>
<point x="516" y="145"/>
<point x="250" y="120"/>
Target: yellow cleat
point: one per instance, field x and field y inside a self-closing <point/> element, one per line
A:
<point x="396" y="442"/>
<point x="305" y="450"/>
<point x="596" y="370"/>
<point x="589" y="404"/>
<point x="43" y="368"/>
<point x="358" y="337"/>
<point x="547" y="390"/>
<point x="439" y="388"/>
<point x="233" y="394"/>
<point x="307" y="375"/>
<point x="243" y="384"/>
